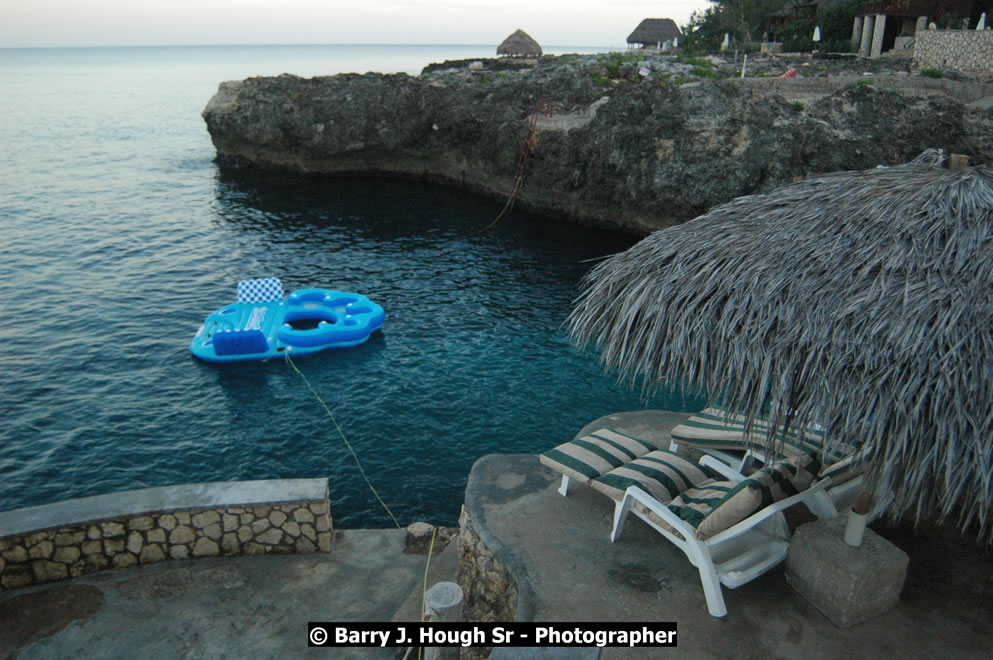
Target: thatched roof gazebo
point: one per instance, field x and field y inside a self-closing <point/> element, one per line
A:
<point x="654" y="32"/>
<point x="519" y="44"/>
<point x="862" y="301"/>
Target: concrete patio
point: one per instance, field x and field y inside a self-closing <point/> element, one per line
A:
<point x="557" y="551"/>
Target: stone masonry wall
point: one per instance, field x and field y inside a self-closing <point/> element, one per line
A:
<point x="967" y="50"/>
<point x="490" y="592"/>
<point x="71" y="550"/>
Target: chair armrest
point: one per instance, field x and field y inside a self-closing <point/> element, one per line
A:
<point x="726" y="470"/>
<point x="774" y="508"/>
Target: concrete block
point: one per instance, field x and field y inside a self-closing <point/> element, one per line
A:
<point x="848" y="585"/>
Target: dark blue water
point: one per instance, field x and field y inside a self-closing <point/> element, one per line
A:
<point x="120" y="235"/>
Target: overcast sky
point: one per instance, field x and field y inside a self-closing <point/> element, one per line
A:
<point x="26" y="23"/>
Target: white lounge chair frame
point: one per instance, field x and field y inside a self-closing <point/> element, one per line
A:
<point x="827" y="503"/>
<point x="733" y="557"/>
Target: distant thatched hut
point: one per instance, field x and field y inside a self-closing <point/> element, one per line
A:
<point x="655" y="33"/>
<point x="519" y="44"/>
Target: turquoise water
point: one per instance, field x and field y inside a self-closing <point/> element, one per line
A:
<point x="120" y="235"/>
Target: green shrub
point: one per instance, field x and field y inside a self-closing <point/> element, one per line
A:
<point x="613" y="65"/>
<point x="862" y="86"/>
<point x="838" y="46"/>
<point x="704" y="73"/>
<point x="694" y="61"/>
<point x="948" y="21"/>
<point x="933" y="73"/>
<point x="796" y="36"/>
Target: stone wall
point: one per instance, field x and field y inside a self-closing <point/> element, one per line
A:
<point x="76" y="537"/>
<point x="490" y="592"/>
<point x="966" y="50"/>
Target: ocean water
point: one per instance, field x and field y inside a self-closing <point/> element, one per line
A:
<point x="120" y="234"/>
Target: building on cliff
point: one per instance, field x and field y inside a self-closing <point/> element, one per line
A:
<point x="519" y="44"/>
<point x="655" y="33"/>
<point x="883" y="26"/>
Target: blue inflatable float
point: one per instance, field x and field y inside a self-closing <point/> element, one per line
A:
<point x="263" y="324"/>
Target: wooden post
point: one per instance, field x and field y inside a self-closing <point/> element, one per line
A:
<point x="958" y="162"/>
<point x="863" y="504"/>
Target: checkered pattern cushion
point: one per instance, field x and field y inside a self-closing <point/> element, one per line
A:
<point x="599" y="452"/>
<point x="661" y="473"/>
<point x="260" y="290"/>
<point x="713" y="506"/>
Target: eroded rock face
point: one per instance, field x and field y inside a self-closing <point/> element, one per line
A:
<point x="621" y="149"/>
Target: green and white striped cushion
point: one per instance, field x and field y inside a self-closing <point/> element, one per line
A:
<point x="709" y="430"/>
<point x="599" y="452"/>
<point x="662" y="473"/>
<point x="714" y="506"/>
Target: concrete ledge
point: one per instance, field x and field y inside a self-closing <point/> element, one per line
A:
<point x="75" y="537"/>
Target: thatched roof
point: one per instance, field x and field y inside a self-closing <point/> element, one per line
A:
<point x="655" y="31"/>
<point x="859" y="300"/>
<point x="519" y="44"/>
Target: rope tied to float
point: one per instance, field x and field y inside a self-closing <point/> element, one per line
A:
<point x="434" y="532"/>
<point x="289" y="361"/>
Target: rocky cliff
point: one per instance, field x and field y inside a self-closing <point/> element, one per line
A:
<point x="631" y="142"/>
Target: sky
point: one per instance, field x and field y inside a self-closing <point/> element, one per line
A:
<point x="54" y="23"/>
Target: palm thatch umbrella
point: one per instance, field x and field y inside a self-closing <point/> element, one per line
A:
<point x="653" y="32"/>
<point x="519" y="44"/>
<point x="862" y="301"/>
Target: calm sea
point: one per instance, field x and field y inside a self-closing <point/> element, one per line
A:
<point x="120" y="234"/>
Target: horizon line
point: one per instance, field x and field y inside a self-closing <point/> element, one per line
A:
<point x="280" y="45"/>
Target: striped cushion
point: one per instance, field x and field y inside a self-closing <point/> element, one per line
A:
<point x="662" y="473"/>
<point x="844" y="470"/>
<point x="599" y="452"/>
<point x="709" y="430"/>
<point x="714" y="506"/>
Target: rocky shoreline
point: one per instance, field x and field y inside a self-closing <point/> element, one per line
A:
<point x="632" y="142"/>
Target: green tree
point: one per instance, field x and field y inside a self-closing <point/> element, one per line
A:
<point x="744" y="20"/>
<point x="704" y="32"/>
<point x="836" y="26"/>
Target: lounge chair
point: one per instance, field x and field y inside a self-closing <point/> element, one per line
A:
<point x="714" y="432"/>
<point x="730" y="527"/>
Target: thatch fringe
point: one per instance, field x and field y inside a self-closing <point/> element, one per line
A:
<point x="862" y="301"/>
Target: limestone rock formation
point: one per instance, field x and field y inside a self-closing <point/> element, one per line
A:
<point x="632" y="142"/>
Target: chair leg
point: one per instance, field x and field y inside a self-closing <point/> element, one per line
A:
<point x="564" y="486"/>
<point x="621" y="509"/>
<point x="712" y="589"/>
